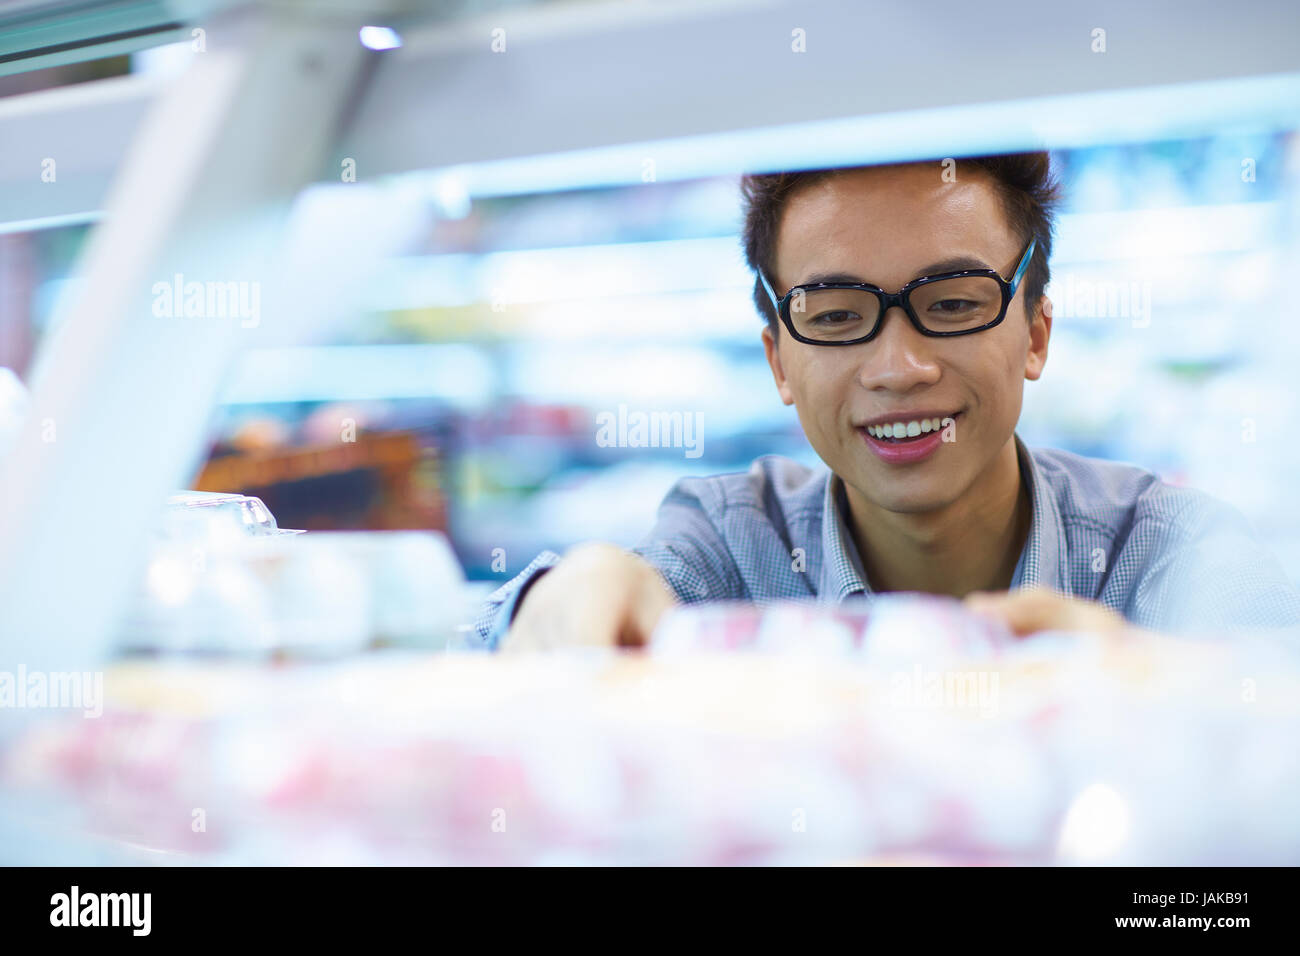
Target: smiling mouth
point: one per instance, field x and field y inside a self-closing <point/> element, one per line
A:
<point x="907" y="430"/>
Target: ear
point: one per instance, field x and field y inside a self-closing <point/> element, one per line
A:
<point x="1040" y="331"/>
<point x="774" y="360"/>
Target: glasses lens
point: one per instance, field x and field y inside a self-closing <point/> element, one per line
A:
<point x="955" y="305"/>
<point x="834" y="315"/>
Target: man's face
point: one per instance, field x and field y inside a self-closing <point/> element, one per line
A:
<point x="887" y="226"/>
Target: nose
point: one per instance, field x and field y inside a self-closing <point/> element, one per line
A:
<point x="899" y="358"/>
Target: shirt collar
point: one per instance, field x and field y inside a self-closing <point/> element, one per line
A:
<point x="1040" y="561"/>
<point x="1043" y="560"/>
<point x="842" y="573"/>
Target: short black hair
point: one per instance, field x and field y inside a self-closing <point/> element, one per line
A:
<point x="1030" y="196"/>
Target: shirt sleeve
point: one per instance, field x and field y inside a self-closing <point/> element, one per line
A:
<point x="1217" y="578"/>
<point x="687" y="548"/>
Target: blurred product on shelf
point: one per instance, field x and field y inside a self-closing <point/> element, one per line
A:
<point x="962" y="748"/>
<point x="197" y="514"/>
<point x="906" y="624"/>
<point x="223" y="579"/>
<point x="375" y="481"/>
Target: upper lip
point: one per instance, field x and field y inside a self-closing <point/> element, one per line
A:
<point x="916" y="416"/>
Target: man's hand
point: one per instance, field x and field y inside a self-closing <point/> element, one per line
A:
<point x="598" y="594"/>
<point x="1039" y="608"/>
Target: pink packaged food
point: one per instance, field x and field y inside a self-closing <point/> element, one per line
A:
<point x="882" y="628"/>
<point x="912" y="741"/>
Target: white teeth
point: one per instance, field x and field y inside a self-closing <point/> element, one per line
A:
<point x="922" y="426"/>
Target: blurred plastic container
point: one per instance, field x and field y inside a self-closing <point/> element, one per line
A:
<point x="200" y="514"/>
<point x="416" y="585"/>
<point x="224" y="579"/>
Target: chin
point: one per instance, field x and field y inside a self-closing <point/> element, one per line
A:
<point x="910" y="504"/>
<point x="900" y="495"/>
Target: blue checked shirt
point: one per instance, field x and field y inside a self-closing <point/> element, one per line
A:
<point x="1168" y="558"/>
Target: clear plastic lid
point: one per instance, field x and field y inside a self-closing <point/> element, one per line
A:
<point x="203" y="514"/>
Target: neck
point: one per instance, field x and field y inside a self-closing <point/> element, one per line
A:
<point x="969" y="545"/>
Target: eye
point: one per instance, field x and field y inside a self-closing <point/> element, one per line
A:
<point x="953" y="306"/>
<point x="836" y="318"/>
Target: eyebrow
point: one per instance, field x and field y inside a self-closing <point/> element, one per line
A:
<point x="955" y="264"/>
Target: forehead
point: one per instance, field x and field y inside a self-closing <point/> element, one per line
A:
<point x="883" y="224"/>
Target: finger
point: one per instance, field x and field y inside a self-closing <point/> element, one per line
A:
<point x="517" y="639"/>
<point x="657" y="598"/>
<point x="539" y="626"/>
<point x="1042" y="609"/>
<point x="1023" y="611"/>
<point x="598" y="618"/>
<point x="987" y="604"/>
<point x="1037" y="609"/>
<point x="522" y="637"/>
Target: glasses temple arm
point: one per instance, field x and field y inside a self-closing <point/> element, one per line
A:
<point x="1024" y="265"/>
<point x="767" y="285"/>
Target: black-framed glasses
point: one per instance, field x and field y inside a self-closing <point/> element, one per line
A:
<point x="950" y="303"/>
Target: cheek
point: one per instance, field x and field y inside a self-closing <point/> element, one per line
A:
<point x="996" y="374"/>
<point x="825" y="375"/>
<point x="821" y="386"/>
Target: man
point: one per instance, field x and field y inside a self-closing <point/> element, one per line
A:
<point x="905" y="309"/>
